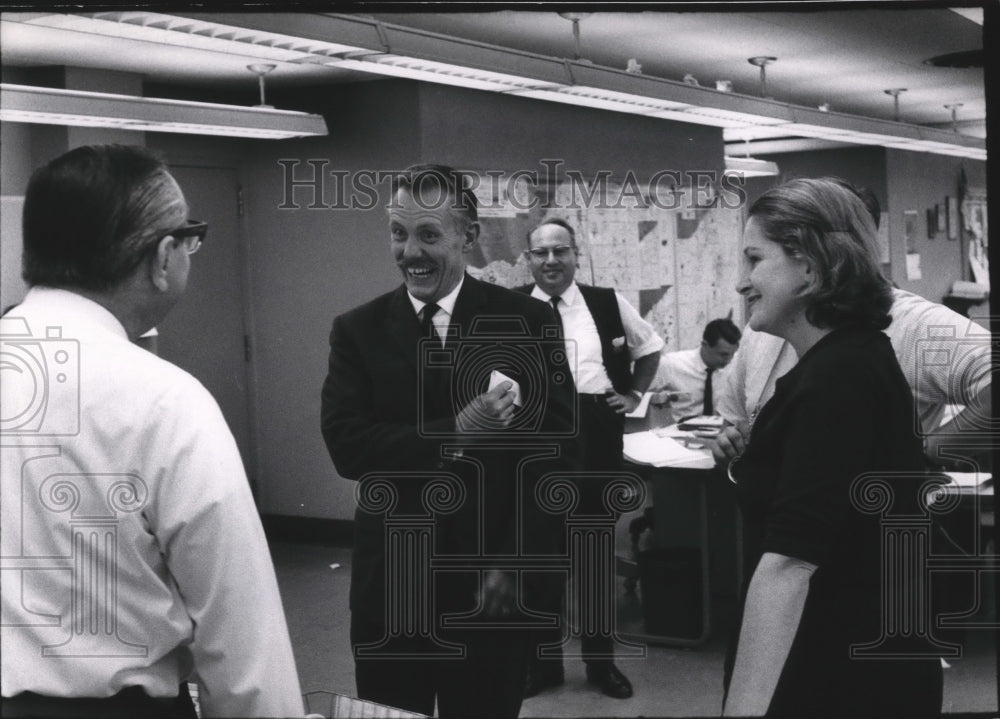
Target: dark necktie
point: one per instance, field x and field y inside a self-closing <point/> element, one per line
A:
<point x="707" y="408"/>
<point x="434" y="377"/>
<point x="427" y="321"/>
<point x="555" y="306"/>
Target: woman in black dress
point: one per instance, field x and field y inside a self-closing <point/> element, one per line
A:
<point x="811" y="276"/>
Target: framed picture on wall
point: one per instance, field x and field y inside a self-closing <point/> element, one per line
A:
<point x="975" y="223"/>
<point x="953" y="218"/>
<point x="941" y="215"/>
<point x="931" y="222"/>
<point x="910" y="219"/>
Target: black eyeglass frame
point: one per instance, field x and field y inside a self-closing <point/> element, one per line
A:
<point x="559" y="251"/>
<point x="191" y="228"/>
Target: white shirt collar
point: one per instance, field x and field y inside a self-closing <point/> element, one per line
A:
<point x="568" y="296"/>
<point x="700" y="359"/>
<point x="70" y="307"/>
<point x="446" y="303"/>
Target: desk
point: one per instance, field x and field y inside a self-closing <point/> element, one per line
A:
<point x="661" y="459"/>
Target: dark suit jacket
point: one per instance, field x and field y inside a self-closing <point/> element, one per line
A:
<point x="378" y="430"/>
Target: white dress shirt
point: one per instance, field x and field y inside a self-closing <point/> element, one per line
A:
<point x="583" y="343"/>
<point x="132" y="553"/>
<point x="944" y="356"/>
<point x="685" y="371"/>
<point x="446" y="305"/>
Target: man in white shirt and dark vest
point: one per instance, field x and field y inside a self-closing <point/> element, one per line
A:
<point x="133" y="557"/>
<point x="604" y="336"/>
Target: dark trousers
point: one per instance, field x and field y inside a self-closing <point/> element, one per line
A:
<point x="487" y="682"/>
<point x="601" y="433"/>
<point x="126" y="704"/>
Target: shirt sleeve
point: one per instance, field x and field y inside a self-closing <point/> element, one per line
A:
<point x="642" y="338"/>
<point x="730" y="394"/>
<point x="214" y="546"/>
<point x="664" y="371"/>
<point x="829" y="442"/>
<point x="945" y="357"/>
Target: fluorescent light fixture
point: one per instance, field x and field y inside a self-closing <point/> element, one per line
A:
<point x="732" y="118"/>
<point x="602" y="99"/>
<point x="49" y="106"/>
<point x="751" y="167"/>
<point x="437" y="72"/>
<point x="774" y="147"/>
<point x="191" y="33"/>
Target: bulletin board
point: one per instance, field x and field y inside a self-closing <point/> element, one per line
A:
<point x="679" y="266"/>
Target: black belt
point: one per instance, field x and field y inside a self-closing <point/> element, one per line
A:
<point x="126" y="704"/>
<point x="595" y="398"/>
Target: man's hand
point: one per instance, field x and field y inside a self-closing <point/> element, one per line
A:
<point x="499" y="593"/>
<point x="489" y="411"/>
<point x="621" y="403"/>
<point x="729" y="444"/>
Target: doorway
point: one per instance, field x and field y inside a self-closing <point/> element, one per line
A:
<point x="206" y="333"/>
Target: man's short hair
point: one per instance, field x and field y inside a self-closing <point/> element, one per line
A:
<point x="866" y="195"/>
<point x="439" y="185"/>
<point x="89" y="216"/>
<point x="558" y="223"/>
<point x="722" y="328"/>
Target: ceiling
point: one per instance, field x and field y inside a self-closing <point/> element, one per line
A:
<point x="845" y="59"/>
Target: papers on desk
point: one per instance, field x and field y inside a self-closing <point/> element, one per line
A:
<point x="963" y="484"/>
<point x="663" y="451"/>
<point x="971" y="480"/>
<point x="703" y="422"/>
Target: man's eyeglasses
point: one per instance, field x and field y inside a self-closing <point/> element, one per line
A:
<point x="191" y="234"/>
<point x="561" y="252"/>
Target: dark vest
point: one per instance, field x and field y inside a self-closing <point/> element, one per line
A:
<point x="603" y="308"/>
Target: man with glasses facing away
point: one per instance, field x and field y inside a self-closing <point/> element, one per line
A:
<point x="133" y="557"/>
<point x="604" y="336"/>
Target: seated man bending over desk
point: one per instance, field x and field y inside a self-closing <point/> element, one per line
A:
<point x="689" y="373"/>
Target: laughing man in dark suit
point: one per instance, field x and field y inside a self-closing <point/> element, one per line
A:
<point x="441" y="452"/>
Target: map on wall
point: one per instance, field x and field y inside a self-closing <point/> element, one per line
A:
<point x="678" y="267"/>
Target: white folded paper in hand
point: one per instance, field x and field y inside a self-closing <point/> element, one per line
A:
<point x="640" y="409"/>
<point x="496" y="377"/>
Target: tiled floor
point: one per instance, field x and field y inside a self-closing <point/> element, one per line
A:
<point x="668" y="682"/>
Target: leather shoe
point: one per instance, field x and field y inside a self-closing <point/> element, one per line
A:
<point x="609" y="680"/>
<point x="541" y="676"/>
